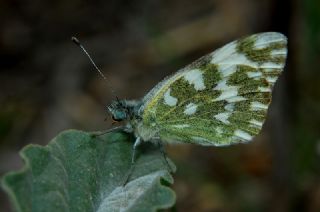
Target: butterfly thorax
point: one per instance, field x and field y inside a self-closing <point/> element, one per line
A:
<point x="129" y="111"/>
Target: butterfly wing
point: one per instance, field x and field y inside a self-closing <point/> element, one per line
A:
<point x="223" y="97"/>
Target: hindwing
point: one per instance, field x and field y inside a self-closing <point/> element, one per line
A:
<point x="223" y="97"/>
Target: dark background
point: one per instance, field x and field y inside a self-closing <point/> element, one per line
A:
<point x="47" y="85"/>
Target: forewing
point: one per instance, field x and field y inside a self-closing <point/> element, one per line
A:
<point x="223" y="97"/>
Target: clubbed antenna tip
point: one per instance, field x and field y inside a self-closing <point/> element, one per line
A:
<point x="75" y="40"/>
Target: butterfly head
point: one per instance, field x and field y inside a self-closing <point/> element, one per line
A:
<point x="118" y="111"/>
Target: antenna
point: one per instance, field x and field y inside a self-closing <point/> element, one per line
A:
<point x="77" y="42"/>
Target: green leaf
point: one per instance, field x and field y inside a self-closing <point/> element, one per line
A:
<point x="80" y="172"/>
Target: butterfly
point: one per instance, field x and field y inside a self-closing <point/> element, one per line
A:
<point x="218" y="100"/>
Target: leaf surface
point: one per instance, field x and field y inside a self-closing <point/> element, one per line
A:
<point x="80" y="172"/>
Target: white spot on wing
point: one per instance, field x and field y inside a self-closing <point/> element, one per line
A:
<point x="181" y="126"/>
<point x="227" y="69"/>
<point x="229" y="107"/>
<point x="271" y="70"/>
<point x="279" y="52"/>
<point x="222" y="85"/>
<point x="236" y="99"/>
<point x="223" y="53"/>
<point x="190" y="109"/>
<point x="195" y="77"/>
<point x="264" y="89"/>
<point x="223" y="117"/>
<point x="258" y="106"/>
<point x="226" y="94"/>
<point x="227" y="91"/>
<point x="228" y="55"/>
<point x="254" y="74"/>
<point x="256" y="123"/>
<point x="238" y="58"/>
<point x="265" y="39"/>
<point x="271" y="79"/>
<point x="168" y="99"/>
<point x="202" y="141"/>
<point x="242" y="135"/>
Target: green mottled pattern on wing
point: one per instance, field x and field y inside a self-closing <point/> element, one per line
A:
<point x="223" y="97"/>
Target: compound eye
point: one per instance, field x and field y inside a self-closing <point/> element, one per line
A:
<point x="115" y="119"/>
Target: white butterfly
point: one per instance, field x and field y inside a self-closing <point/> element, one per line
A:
<point x="220" y="99"/>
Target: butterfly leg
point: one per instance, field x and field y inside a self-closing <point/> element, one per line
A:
<point x="136" y="143"/>
<point x="115" y="129"/>
<point x="164" y="154"/>
<point x="133" y="159"/>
